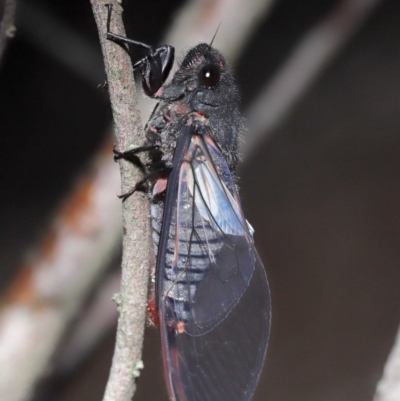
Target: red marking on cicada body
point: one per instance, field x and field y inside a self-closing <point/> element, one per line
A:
<point x="198" y="114"/>
<point x="159" y="92"/>
<point x="152" y="311"/>
<point x="160" y="186"/>
<point x="181" y="109"/>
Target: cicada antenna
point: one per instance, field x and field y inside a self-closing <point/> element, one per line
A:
<point x="215" y="34"/>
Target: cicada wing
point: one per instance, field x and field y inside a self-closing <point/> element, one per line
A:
<point x="226" y="243"/>
<point x="214" y="305"/>
<point x="225" y="363"/>
<point x="213" y="251"/>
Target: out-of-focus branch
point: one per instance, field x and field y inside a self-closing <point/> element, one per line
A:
<point x="60" y="41"/>
<point x="7" y="28"/>
<point x="310" y="56"/>
<point x="50" y="288"/>
<point x="135" y="254"/>
<point x="98" y="318"/>
<point x="388" y="388"/>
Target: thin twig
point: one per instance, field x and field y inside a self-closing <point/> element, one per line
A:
<point x="135" y="259"/>
<point x="7" y="28"/>
<point x="388" y="388"/>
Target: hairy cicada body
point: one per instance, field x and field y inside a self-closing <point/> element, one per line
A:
<point x="212" y="295"/>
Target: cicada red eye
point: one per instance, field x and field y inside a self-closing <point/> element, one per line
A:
<point x="209" y="75"/>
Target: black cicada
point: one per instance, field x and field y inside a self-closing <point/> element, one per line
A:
<point x="212" y="293"/>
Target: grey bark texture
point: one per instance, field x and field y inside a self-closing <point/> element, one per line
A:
<point x="132" y="298"/>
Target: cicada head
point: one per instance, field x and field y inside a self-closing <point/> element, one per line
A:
<point x="204" y="79"/>
<point x="204" y="83"/>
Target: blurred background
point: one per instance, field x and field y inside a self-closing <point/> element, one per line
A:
<point x="320" y="88"/>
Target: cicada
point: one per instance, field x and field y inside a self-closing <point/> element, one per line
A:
<point x="212" y="295"/>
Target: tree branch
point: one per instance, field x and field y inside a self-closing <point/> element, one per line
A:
<point x="135" y="260"/>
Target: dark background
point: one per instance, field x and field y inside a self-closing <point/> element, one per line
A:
<point x="322" y="192"/>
